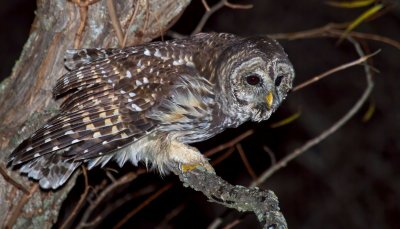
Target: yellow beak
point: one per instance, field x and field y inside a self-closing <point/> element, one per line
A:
<point x="269" y="99"/>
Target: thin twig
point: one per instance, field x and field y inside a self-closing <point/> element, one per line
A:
<point x="175" y="35"/>
<point x="80" y="202"/>
<point x="216" y="222"/>
<point x="110" y="176"/>
<point x="356" y="107"/>
<point x="16" y="211"/>
<point x="229" y="144"/>
<point x="121" y="181"/>
<point x="111" y="207"/>
<point x="271" y="154"/>
<point x="246" y="163"/>
<point x="142" y="205"/>
<point x="158" y="22"/>
<point x="232" y="224"/>
<point x="207" y="15"/>
<point x="12" y="181"/>
<point x="223" y="156"/>
<point x="238" y="6"/>
<point x="311" y="33"/>
<point x="334" y="30"/>
<point x="131" y="20"/>
<point x="205" y="4"/>
<point x="115" y="22"/>
<point x="147" y="11"/>
<point x="83" y="14"/>
<point x="215" y="8"/>
<point x="370" y="36"/>
<point x="171" y="215"/>
<point x="334" y="70"/>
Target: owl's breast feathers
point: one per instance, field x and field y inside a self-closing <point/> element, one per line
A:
<point x="117" y="97"/>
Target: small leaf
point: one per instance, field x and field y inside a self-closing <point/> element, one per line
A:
<point x="371" y="110"/>
<point x="371" y="11"/>
<point x="286" y="120"/>
<point x="351" y="4"/>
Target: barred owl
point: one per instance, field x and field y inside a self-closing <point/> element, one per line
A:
<point x="148" y="102"/>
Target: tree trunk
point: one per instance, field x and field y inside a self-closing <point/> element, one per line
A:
<point x="26" y="96"/>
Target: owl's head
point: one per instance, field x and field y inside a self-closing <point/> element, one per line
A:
<point x="254" y="75"/>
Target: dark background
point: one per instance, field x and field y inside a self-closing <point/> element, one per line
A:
<point x="350" y="180"/>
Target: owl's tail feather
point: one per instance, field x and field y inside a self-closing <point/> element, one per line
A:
<point x="69" y="131"/>
<point x="51" y="170"/>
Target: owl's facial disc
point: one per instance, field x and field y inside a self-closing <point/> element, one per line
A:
<point x="260" y="85"/>
<point x="254" y="76"/>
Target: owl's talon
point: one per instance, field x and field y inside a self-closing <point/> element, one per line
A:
<point x="201" y="166"/>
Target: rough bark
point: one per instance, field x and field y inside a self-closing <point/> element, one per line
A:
<point x="26" y="99"/>
<point x="263" y="203"/>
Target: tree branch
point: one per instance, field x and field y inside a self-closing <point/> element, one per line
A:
<point x="264" y="204"/>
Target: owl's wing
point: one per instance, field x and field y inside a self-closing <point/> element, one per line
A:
<point x="113" y="98"/>
<point x="76" y="58"/>
<point x="107" y="106"/>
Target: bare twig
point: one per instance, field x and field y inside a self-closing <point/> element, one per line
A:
<point x="16" y="211"/>
<point x="146" y="20"/>
<point x="238" y="6"/>
<point x="271" y="154"/>
<point x="81" y="201"/>
<point x="360" y="60"/>
<point x="158" y="19"/>
<point x="83" y="18"/>
<point x="12" y="181"/>
<point x="311" y="33"/>
<point x="229" y="144"/>
<point x="111" y="207"/>
<point x="370" y="36"/>
<point x="334" y="30"/>
<point x="110" y="176"/>
<point x="121" y="181"/>
<point x="232" y="224"/>
<point x="205" y="4"/>
<point x="83" y="13"/>
<point x="356" y="107"/>
<point x="175" y="35"/>
<point x="215" y="8"/>
<point x="131" y="20"/>
<point x="115" y="22"/>
<point x="172" y="214"/>
<point x="221" y="158"/>
<point x="246" y="163"/>
<point x="207" y="15"/>
<point x="142" y="205"/>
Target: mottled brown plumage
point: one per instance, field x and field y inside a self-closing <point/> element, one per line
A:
<point x="146" y="103"/>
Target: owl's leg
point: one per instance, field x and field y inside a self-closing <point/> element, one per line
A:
<point x="188" y="158"/>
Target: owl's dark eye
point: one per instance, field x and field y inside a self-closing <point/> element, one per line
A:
<point x="278" y="80"/>
<point x="253" y="79"/>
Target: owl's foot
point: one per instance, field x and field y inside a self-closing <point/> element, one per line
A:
<point x="189" y="167"/>
<point x="189" y="158"/>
